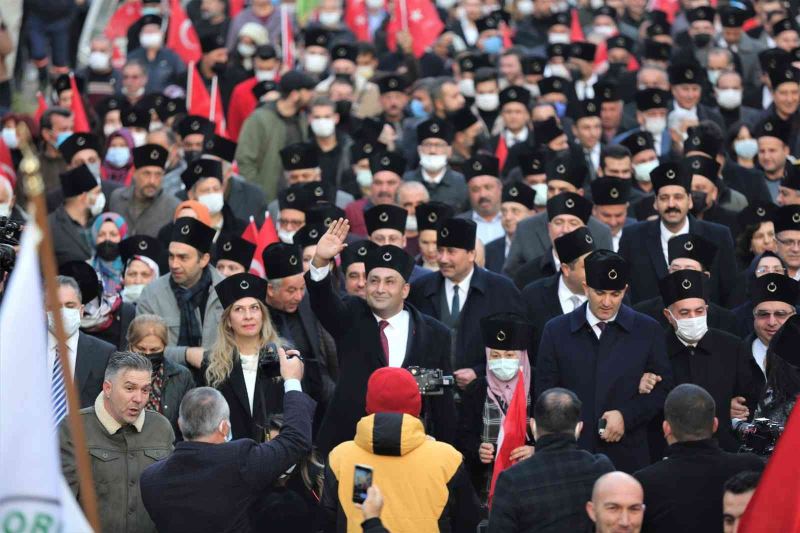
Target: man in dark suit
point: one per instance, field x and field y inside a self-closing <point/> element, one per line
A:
<point x="644" y="245"/>
<point x="400" y="336"/>
<point x="462" y="293"/>
<point x="551" y="487"/>
<point x="516" y="205"/>
<point x="386" y="224"/>
<point x="684" y="491"/>
<point x="600" y="351"/>
<point x="70" y="223"/>
<point x="182" y="492"/>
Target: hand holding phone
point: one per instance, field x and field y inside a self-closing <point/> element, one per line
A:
<point x="362" y="481"/>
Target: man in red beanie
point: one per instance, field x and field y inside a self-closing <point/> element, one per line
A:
<point x="392" y="441"/>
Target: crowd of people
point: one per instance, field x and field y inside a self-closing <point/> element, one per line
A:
<point x="371" y="241"/>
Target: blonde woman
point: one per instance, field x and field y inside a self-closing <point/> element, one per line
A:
<point x="239" y="366"/>
<point x="147" y="335"/>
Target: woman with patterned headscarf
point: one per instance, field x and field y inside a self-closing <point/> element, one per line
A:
<point x="108" y="230"/>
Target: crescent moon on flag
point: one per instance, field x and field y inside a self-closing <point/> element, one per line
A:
<point x="183" y="32"/>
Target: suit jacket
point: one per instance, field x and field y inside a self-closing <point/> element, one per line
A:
<point x="182" y="492"/>
<point x="531" y="240"/>
<point x="495" y="253"/>
<point x="605" y="375"/>
<point x="748" y="181"/>
<point x="68" y="243"/>
<point x="541" y="305"/>
<point x="542" y="267"/>
<point x="718" y="316"/>
<point x="488" y="293"/>
<point x="90" y="367"/>
<point x="358" y="348"/>
<point x="452" y="190"/>
<point x="684" y="491"/>
<point x="641" y="247"/>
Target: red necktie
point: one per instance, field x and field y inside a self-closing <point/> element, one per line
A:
<point x="384" y="340"/>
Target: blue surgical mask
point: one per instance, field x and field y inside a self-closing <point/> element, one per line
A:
<point x="118" y="156"/>
<point x="561" y="108"/>
<point x="417" y="109"/>
<point x="493" y="45"/>
<point x="61" y="137"/>
<point x="151" y="11"/>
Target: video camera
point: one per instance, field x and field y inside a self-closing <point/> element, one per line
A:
<point x="431" y="381"/>
<point x="759" y="436"/>
<point x="10" y="232"/>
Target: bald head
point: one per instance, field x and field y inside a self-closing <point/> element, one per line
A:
<point x="617" y="504"/>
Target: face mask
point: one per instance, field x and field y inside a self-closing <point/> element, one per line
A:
<point x="118" y="156"/>
<point x="323" y="127"/>
<point x="98" y="205"/>
<point x="446" y="4"/>
<point x="99" y="61"/>
<point x="466" y="86"/>
<point x="151" y="40"/>
<point x="561" y="108"/>
<point x="190" y="155"/>
<point x="151" y="11"/>
<point x="525" y="7"/>
<point x="109" y="129"/>
<point x="701" y="40"/>
<point x="597" y="4"/>
<point x="365" y="72"/>
<point x="487" y="101"/>
<point x="330" y="18"/>
<point x="699" y="202"/>
<point x="364" y="177"/>
<point x="107" y="250"/>
<point x="9" y="136"/>
<point x="139" y="138"/>
<point x="61" y="137"/>
<point x="559" y="69"/>
<point x="605" y="31"/>
<point x="690" y="330"/>
<point x="131" y="293"/>
<point x="417" y="109"/>
<point x="641" y="171"/>
<point x="156" y="359"/>
<point x="411" y="223"/>
<point x="5" y="210"/>
<point x="375" y="4"/>
<point x="729" y="98"/>
<point x="286" y="236"/>
<point x="265" y="75"/>
<point x="493" y="45"/>
<point x="504" y="369"/>
<point x="557" y="38"/>
<point x="246" y="50"/>
<point x="213" y="201"/>
<point x="94" y="168"/>
<point x="655" y="125"/>
<point x="713" y="76"/>
<point x="540" y="199"/>
<point x="746" y="148"/>
<point x="71" y="318"/>
<point x="432" y="163"/>
<point x="315" y="63"/>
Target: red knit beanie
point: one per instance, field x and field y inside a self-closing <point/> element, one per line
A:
<point x="393" y="390"/>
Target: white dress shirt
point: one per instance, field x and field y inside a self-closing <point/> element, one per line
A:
<point x="666" y="235"/>
<point x="615" y="240"/>
<point x="766" y="97"/>
<point x="760" y="355"/>
<point x="397" y="335"/>
<point x="250" y="372"/>
<point x="594" y="156"/>
<point x="585" y="89"/>
<point x="515" y="138"/>
<point x="593" y="320"/>
<point x="508" y="246"/>
<point x="463" y="291"/>
<point x="556" y="260"/>
<point x="569" y="300"/>
<point x="72" y="352"/>
<point x="488" y="230"/>
<point x="429" y="178"/>
<point x="657" y="143"/>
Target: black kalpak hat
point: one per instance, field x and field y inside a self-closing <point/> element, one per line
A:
<point x="236" y="249"/>
<point x="386" y="216"/>
<point x="553" y="84"/>
<point x="457" y="233"/>
<point x="585" y="108"/>
<point x="86" y="276"/>
<point x="706" y="13"/>
<point x="574" y="244"/>
<point x="388" y="162"/>
<point x="772" y="126"/>
<point x="194" y="233"/>
<point x="434" y="128"/>
<point x="569" y="203"/>
<point x="356" y="252"/>
<point x="659" y="24"/>
<point x="783" y="74"/>
<point x="681" y="285"/>
<point x="324" y="213"/>
<point x="533" y="65"/>
<point x="309" y="235"/>
<point x="201" y="169"/>
<point x="533" y="161"/>
<point x="365" y="148"/>
<point x="140" y="245"/>
<point x="791" y="176"/>
<point x="77" y="181"/>
<point x="656" y="51"/>
<point x="431" y="214"/>
<point x="755" y="213"/>
<point x="638" y="141"/>
<point x="61" y="83"/>
<point x="150" y="19"/>
<point x="77" y="142"/>
<point x="220" y="147"/>
<point x="670" y="174"/>
<point x="732" y="17"/>
<point x="316" y="37"/>
<point x="583" y="50"/>
<point x="651" y="99"/>
<point x="606" y="271"/>
<point x="515" y="93"/>
<point x="344" y="51"/>
<point x="238" y="286"/>
<point x="481" y="165"/>
<point x="696" y="141"/>
<point x="561" y="18"/>
<point x="558" y="50"/>
<point x="607" y="11"/>
<point x="299" y="156"/>
<point x="783" y="25"/>
<point x="194" y="124"/>
<point x="135" y="117"/>
<point x="462" y="119"/>
<point x="112" y="103"/>
<point x="505" y="331"/>
<point x="563" y="167"/>
<point x="389" y="256"/>
<point x="785" y="341"/>
<point x="297" y="196"/>
<point x="282" y="260"/>
<point x="685" y="73"/>
<point x="150" y="102"/>
<point x="487" y="23"/>
<point x="610" y="191"/>
<point x="606" y="91"/>
<point x="689" y="246"/>
<point x="787" y="218"/>
<point x="519" y="192"/>
<point x="772" y="58"/>
<point x="703" y="166"/>
<point x="620" y="41"/>
<point x="211" y="41"/>
<point x="546" y="130"/>
<point x="169" y="107"/>
<point x="472" y="62"/>
<point x="263" y="87"/>
<point x="774" y="288"/>
<point x="392" y="83"/>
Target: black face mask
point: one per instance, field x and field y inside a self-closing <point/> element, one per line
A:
<point x="615" y="69"/>
<point x="219" y="68"/>
<point x="701" y="40"/>
<point x="157" y="360"/>
<point x="698" y="202"/>
<point x="107" y="250"/>
<point x="190" y="155"/>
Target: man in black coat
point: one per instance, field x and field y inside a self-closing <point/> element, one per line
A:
<point x="684" y="491"/>
<point x="462" y="293"/>
<point x="70" y="223"/>
<point x="644" y="245"/>
<point x="400" y="336"/>
<point x="182" y="492"/>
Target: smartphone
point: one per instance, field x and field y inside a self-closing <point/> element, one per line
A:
<point x="362" y="480"/>
<point x="601" y="426"/>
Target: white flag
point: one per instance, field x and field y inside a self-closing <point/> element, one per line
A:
<point x="33" y="493"/>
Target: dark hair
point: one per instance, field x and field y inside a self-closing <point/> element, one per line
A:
<point x="366" y="48"/>
<point x="485" y="74"/>
<point x="783" y="380"/>
<point x="513" y="51"/>
<point x="742" y="482"/>
<point x="690" y="410"/>
<point x="557" y="410"/>
<point x="46" y="121"/>
<point x="730" y="137"/>
<point x="613" y="151"/>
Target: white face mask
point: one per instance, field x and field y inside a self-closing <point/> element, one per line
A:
<point x="364" y="177"/>
<point x="690" y="330"/>
<point x="213" y="201"/>
<point x="540" y="199"/>
<point x="71" y="318"/>
<point x="315" y="63"/>
<point x="504" y="369"/>
<point x="98" y="205"/>
<point x="487" y="101"/>
<point x="131" y="293"/>
<point x="432" y="163"/>
<point x="729" y="98"/>
<point x="466" y="86"/>
<point x="246" y="50"/>
<point x="746" y="148"/>
<point x="446" y="4"/>
<point x="330" y="18"/>
<point x="411" y="223"/>
<point x="558" y="38"/>
<point x="525" y="7"/>
<point x="365" y="71"/>
<point x="375" y="4"/>
<point x="323" y="127"/>
<point x="265" y="75"/>
<point x="655" y="125"/>
<point x="597" y="4"/>
<point x="713" y="76"/>
<point x="99" y="61"/>
<point x="5" y="210"/>
<point x="286" y="236"/>
<point x="151" y="40"/>
<point x="139" y="138"/>
<point x="109" y="129"/>
<point x="605" y="31"/>
<point x="9" y="136"/>
<point x="642" y="170"/>
<point x="559" y="69"/>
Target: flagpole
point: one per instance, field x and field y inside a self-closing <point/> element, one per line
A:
<point x="34" y="189"/>
<point x="189" y="76"/>
<point x="404" y="14"/>
<point x="213" y="104"/>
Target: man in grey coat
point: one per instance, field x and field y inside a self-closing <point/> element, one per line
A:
<point x="179" y="296"/>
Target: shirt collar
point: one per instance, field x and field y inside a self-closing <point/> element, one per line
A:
<point x="564" y="292"/>
<point x="430" y="179"/>
<point x="556" y="260"/>
<point x="522" y="136"/>
<point x="393" y="320"/>
<point x="480" y="220"/>
<point x="463" y="285"/>
<point x="593" y="320"/>
<point x="71" y="342"/>
<point x="666" y="234"/>
<point x="111" y="425"/>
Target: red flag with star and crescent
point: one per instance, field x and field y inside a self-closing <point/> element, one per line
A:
<point x="356" y="19"/>
<point x="420" y="19"/>
<point x="181" y="35"/>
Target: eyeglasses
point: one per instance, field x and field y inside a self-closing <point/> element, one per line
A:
<point x="791" y="243"/>
<point x="770" y="270"/>
<point x="779" y="315"/>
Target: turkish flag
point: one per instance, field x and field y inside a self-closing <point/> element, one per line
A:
<point x="181" y="35"/>
<point x="42" y="107"/>
<point x="512" y="432"/>
<point x="81" y="123"/>
<point x="235" y="7"/>
<point x="266" y="236"/>
<point x="198" y="101"/>
<point x="119" y="23"/>
<point x="217" y="115"/>
<point x="242" y="103"/>
<point x="287" y="38"/>
<point x="420" y="19"/>
<point x="356" y="19"/>
<point x="775" y="506"/>
<point x="250" y="233"/>
<point x="575" y="28"/>
<point x="501" y="152"/>
<point x="7" y="165"/>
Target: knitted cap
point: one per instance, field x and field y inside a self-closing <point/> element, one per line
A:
<point x="393" y="390"/>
